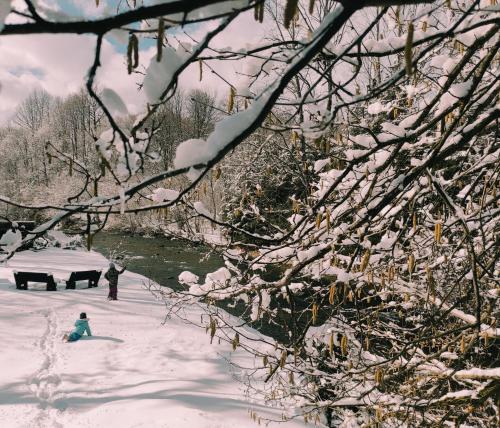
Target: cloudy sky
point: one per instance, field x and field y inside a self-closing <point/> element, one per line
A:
<point x="59" y="63"/>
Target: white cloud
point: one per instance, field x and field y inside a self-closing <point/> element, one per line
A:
<point x="59" y="64"/>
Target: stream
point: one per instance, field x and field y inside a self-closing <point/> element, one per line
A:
<point x="159" y="258"/>
<point x="163" y="259"/>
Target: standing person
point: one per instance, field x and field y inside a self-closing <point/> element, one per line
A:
<point x="81" y="326"/>
<point x="112" y="276"/>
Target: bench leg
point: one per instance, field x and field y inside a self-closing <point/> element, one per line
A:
<point x="70" y="285"/>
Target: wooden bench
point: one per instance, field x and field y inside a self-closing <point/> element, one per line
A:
<point x="91" y="275"/>
<point x="22" y="279"/>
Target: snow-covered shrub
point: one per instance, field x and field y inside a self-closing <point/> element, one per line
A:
<point x="58" y="239"/>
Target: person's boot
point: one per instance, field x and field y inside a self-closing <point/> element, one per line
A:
<point x="65" y="337"/>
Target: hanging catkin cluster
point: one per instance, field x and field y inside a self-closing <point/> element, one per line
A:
<point x="258" y="12"/>
<point x="230" y="100"/>
<point x="365" y="260"/>
<point x="290" y="11"/>
<point x="132" y="53"/>
<point x="408" y="49"/>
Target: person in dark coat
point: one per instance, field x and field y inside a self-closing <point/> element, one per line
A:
<point x="112" y="276"/>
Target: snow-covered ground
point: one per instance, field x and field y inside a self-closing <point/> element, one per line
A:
<point x="134" y="371"/>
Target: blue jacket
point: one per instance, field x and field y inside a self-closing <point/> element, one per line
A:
<point x="82" y="326"/>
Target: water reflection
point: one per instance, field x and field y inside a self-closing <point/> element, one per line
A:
<point x="158" y="258"/>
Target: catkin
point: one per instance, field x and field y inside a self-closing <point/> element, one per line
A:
<point x="132" y="53"/>
<point x="96" y="3"/>
<point x="230" y="101"/>
<point x="213" y="328"/>
<point x="136" y="51"/>
<point x="311" y="6"/>
<point x="265" y="360"/>
<point x="159" y="40"/>
<point x="328" y="219"/>
<point x="331" y="295"/>
<point x="283" y="358"/>
<point x="290" y="10"/>
<point x="218" y="173"/>
<point x="261" y="12"/>
<point x="486" y="339"/>
<point x="392" y="273"/>
<point x="411" y="263"/>
<point x="319" y="217"/>
<point x="314" y="313"/>
<point x="200" y="64"/>
<point x="70" y="167"/>
<point x="236" y="341"/>
<point x="95" y="187"/>
<point x="428" y="273"/>
<point x="437" y="232"/>
<point x="408" y="49"/>
<point x="379" y="376"/>
<point x="343" y="345"/>
<point x="462" y="344"/>
<point x="369" y="278"/>
<point x="364" y="261"/>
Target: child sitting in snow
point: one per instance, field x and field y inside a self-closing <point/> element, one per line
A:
<point x="81" y="326"/>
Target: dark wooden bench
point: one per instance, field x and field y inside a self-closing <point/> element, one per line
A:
<point x="91" y="275"/>
<point x="22" y="279"/>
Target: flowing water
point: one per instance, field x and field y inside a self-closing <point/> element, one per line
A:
<point x="163" y="259"/>
<point x="158" y="258"/>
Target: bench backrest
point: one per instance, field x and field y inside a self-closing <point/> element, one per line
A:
<point x="84" y="274"/>
<point x="33" y="276"/>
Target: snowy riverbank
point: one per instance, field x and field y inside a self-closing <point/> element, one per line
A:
<point x="134" y="372"/>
